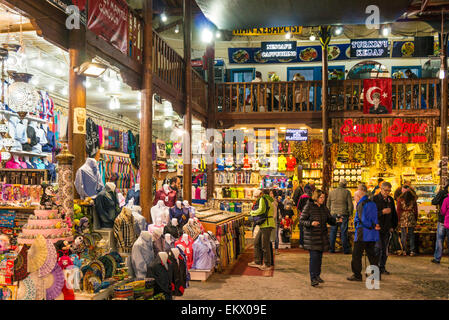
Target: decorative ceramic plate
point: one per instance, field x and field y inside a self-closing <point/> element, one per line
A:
<point x="99" y="266"/>
<point x="107" y="266"/>
<point x="113" y="262"/>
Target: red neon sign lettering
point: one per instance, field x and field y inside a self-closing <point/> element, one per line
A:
<point x="399" y="127"/>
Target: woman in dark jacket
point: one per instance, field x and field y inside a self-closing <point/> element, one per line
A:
<point x="314" y="219"/>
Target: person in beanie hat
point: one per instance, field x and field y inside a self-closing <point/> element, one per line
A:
<point x="340" y="205"/>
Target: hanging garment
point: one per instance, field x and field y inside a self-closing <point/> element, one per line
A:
<point x="51" y="168"/>
<point x="142" y="255"/>
<point x="178" y="274"/>
<point x="133" y="194"/>
<point x="88" y="182"/>
<point x="107" y="207"/>
<point x="124" y="230"/>
<point x="182" y="215"/>
<point x="203" y="255"/>
<point x="168" y="198"/>
<point x="163" y="274"/>
<point x="291" y="163"/>
<point x="282" y="161"/>
<point x="51" y="142"/>
<point x="188" y="250"/>
<point x="132" y="148"/>
<point x="92" y="138"/>
<point x="46" y="106"/>
<point x="32" y="138"/>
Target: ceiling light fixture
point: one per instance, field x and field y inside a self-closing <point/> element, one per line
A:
<point x="206" y="35"/>
<point x="338" y="31"/>
<point x="114" y="103"/>
<point x="218" y="35"/>
<point x="386" y="30"/>
<point x="91" y="69"/>
<point x="288" y="35"/>
<point x="312" y="37"/>
<point x="177" y="28"/>
<point x="64" y="91"/>
<point x="164" y="17"/>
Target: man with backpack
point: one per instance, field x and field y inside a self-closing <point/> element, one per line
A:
<point x="442" y="232"/>
<point x="263" y="217"/>
<point x="366" y="232"/>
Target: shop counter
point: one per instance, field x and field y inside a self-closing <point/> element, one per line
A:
<point x="104" y="294"/>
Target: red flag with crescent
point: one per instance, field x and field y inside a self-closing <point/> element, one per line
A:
<point x="377" y="96"/>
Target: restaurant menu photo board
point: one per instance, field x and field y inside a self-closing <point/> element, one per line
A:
<point x="296" y="134"/>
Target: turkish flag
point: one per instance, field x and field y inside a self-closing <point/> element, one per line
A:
<point x="377" y="96"/>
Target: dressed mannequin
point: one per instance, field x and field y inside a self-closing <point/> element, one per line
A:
<point x="186" y="241"/>
<point x="165" y="194"/>
<point x="160" y="211"/>
<point x="13" y="163"/>
<point x="140" y="223"/>
<point x="173" y="228"/>
<point x="142" y="255"/>
<point x="158" y="240"/>
<point x="17" y="131"/>
<point x="161" y="269"/>
<point x="179" y="271"/>
<point x="28" y="162"/>
<point x="124" y="231"/>
<point x="169" y="242"/>
<point x="50" y="137"/>
<point x="156" y="225"/>
<point x="184" y="271"/>
<point x="191" y="209"/>
<point x="133" y="193"/>
<point x="106" y="205"/>
<point x="180" y="213"/>
<point x="192" y="229"/>
<point x="88" y="181"/>
<point x="41" y="135"/>
<point x="203" y="255"/>
<point x="32" y="139"/>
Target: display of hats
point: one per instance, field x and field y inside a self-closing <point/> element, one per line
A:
<point x="37" y="255"/>
<point x="20" y="264"/>
<point x="54" y="283"/>
<point x="98" y="268"/>
<point x="107" y="266"/>
<point x="52" y="259"/>
<point x="27" y="290"/>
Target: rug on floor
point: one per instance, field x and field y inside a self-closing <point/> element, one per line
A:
<point x="241" y="266"/>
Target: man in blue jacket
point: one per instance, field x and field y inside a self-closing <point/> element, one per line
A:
<point x="366" y="232"/>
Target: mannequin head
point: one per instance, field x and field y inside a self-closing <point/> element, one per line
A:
<point x="130" y="203"/>
<point x="168" y="237"/>
<point x="201" y="237"/>
<point x="191" y="221"/>
<point x="145" y="235"/>
<point x="166" y="188"/>
<point x="175" y="252"/>
<point x="186" y="203"/>
<point x="160" y="204"/>
<point x="137" y="187"/>
<point x="26" y="158"/>
<point x="158" y="221"/>
<point x="16" y="158"/>
<point x="110" y="186"/>
<point x="174" y="222"/>
<point x="178" y="204"/>
<point x="185" y="237"/>
<point x="164" y="257"/>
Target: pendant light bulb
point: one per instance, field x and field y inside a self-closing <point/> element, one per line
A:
<point x="312" y="37"/>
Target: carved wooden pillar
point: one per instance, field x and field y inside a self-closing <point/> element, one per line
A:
<point x="66" y="190"/>
<point x="187" y="143"/>
<point x="210" y="54"/>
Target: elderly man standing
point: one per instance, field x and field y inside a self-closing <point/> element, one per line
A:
<point x="340" y="205"/>
<point x="366" y="232"/>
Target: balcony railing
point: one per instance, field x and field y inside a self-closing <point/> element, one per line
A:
<point x="168" y="65"/>
<point x="343" y="95"/>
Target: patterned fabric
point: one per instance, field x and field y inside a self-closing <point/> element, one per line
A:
<point x="124" y="230"/>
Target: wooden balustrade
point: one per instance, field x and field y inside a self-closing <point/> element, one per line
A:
<point x="199" y="91"/>
<point x="135" y="36"/>
<point x="168" y="65"/>
<point x="344" y="95"/>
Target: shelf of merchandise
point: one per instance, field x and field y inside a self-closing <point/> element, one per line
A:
<point x="18" y="208"/>
<point x="236" y="184"/>
<point x="30" y="118"/>
<point x="231" y="199"/>
<point x="31" y="154"/>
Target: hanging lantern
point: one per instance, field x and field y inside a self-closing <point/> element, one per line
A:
<point x="22" y="96"/>
<point x="3" y="128"/>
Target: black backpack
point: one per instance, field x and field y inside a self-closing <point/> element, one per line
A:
<point x="260" y="219"/>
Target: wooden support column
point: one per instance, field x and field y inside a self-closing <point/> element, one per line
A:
<point x="444" y="92"/>
<point x="187" y="143"/>
<point x="210" y="54"/>
<point x="77" y="95"/>
<point x="325" y="37"/>
<point x="146" y="124"/>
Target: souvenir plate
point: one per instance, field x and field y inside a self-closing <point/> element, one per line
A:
<point x="99" y="266"/>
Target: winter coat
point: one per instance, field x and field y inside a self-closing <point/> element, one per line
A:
<point x="407" y="214"/>
<point x="339" y="202"/>
<point x="365" y="221"/>
<point x="445" y="212"/>
<point x="269" y="222"/>
<point x="316" y="238"/>
<point x="386" y="221"/>
<point x="438" y="201"/>
<point x="107" y="207"/>
<point x="303" y="201"/>
<point x="299" y="191"/>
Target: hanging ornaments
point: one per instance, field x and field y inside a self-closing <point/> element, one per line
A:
<point x="22" y="96"/>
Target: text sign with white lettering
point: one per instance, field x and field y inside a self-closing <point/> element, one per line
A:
<point x="296" y="134"/>
<point x="279" y="49"/>
<point x="369" y="48"/>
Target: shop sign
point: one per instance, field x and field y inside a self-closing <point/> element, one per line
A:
<point x="267" y="31"/>
<point x="63" y="4"/>
<point x="343" y="157"/>
<point x="296" y="134"/>
<point x="278" y="49"/>
<point x="79" y="121"/>
<point x="369" y="48"/>
<point x="108" y="19"/>
<point x="384" y="131"/>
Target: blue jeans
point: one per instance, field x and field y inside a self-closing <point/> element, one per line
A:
<point x="442" y="232"/>
<point x="344" y="235"/>
<point x="315" y="263"/>
<point x="410" y="235"/>
<point x="382" y="249"/>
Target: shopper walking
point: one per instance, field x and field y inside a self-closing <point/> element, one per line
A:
<point x="407" y="210"/>
<point x="340" y="205"/>
<point x="388" y="221"/>
<point x="376" y="189"/>
<point x="303" y="201"/>
<point x="277" y="220"/>
<point x="299" y="191"/>
<point x="264" y="214"/>
<point x="366" y="232"/>
<point x="314" y="219"/>
<point x="445" y="214"/>
<point x="442" y="232"/>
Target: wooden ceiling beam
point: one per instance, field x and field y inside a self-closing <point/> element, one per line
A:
<point x="16" y="28"/>
<point x="169" y="26"/>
